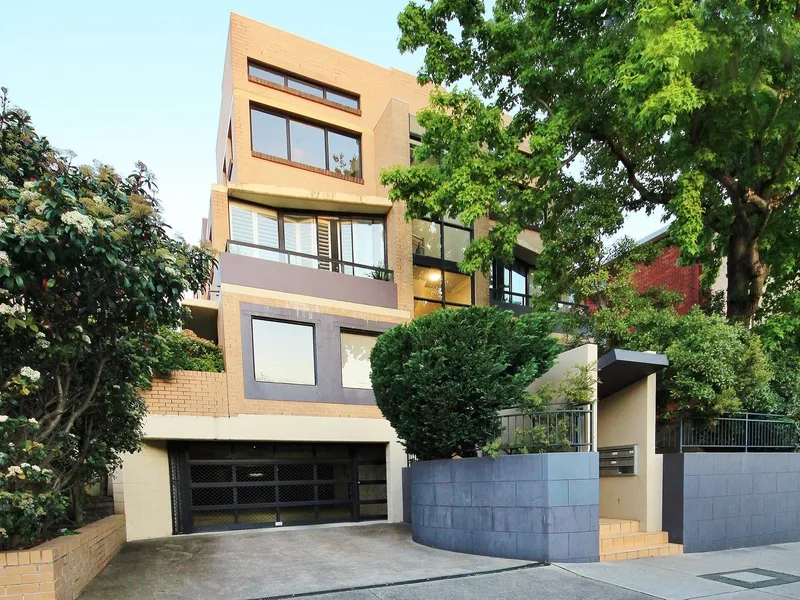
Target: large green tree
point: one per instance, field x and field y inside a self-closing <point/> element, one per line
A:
<point x="88" y="273"/>
<point x="624" y="105"/>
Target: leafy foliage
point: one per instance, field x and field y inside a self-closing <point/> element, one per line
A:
<point x="619" y="105"/>
<point x="88" y="274"/>
<point x="442" y="379"/>
<point x="185" y="351"/>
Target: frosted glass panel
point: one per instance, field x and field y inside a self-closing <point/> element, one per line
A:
<point x="356" y="349"/>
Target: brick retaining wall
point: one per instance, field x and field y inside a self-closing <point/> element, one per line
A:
<point x="61" y="568"/>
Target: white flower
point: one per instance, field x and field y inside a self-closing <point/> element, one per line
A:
<point x="86" y="338"/>
<point x="78" y="328"/>
<point x="29" y="185"/>
<point x="14" y="470"/>
<point x="3" y="227"/>
<point x="5" y="182"/>
<point x="3" y="418"/>
<point x="81" y="222"/>
<point x="4" y="260"/>
<point x="33" y="421"/>
<point x="25" y="465"/>
<point x="99" y="200"/>
<point x="29" y="195"/>
<point x="170" y="271"/>
<point x="36" y="468"/>
<point x="40" y="334"/>
<point x="7" y="309"/>
<point x="31" y="374"/>
<point x="43" y="344"/>
<point x="39" y="210"/>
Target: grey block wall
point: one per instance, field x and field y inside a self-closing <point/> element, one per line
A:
<point x="541" y="507"/>
<point x="406" y="479"/>
<point x="716" y="501"/>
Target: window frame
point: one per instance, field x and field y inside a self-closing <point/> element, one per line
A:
<point x="326" y="128"/>
<point x="444" y="265"/>
<point x="282" y="212"/>
<point x="324" y="87"/>
<point x="313" y="327"/>
<point x="352" y="331"/>
<point x="499" y="294"/>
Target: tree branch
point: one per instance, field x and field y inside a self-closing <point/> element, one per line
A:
<point x="630" y="168"/>
<point x="87" y="401"/>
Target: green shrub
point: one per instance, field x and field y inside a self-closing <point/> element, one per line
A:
<point x="184" y="351"/>
<point x="442" y="379"/>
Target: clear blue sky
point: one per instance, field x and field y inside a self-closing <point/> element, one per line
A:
<point x="121" y="81"/>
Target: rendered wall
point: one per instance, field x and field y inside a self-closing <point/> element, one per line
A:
<point x="716" y="501"/>
<point x="625" y="418"/>
<point x="530" y="506"/>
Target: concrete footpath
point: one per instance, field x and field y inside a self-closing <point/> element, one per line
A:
<point x="761" y="573"/>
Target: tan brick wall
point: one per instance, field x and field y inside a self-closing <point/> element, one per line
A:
<point x="188" y="393"/>
<point x="61" y="568"/>
<point x="218" y="216"/>
<point x="376" y="86"/>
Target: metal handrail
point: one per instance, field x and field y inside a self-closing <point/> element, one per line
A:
<point x="745" y="431"/>
<point x="319" y="258"/>
<point x="557" y="429"/>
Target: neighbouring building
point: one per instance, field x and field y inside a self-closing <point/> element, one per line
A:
<point x="314" y="263"/>
<point x="665" y="271"/>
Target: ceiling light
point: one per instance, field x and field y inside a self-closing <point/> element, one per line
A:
<point x="435" y="276"/>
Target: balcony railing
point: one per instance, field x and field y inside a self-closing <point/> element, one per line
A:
<point x="742" y="432"/>
<point x="314" y="261"/>
<point x="555" y="430"/>
<point x="521" y="302"/>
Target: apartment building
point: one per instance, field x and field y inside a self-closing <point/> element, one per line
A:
<point x="314" y="263"/>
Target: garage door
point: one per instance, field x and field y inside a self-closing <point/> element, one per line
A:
<point x="218" y="486"/>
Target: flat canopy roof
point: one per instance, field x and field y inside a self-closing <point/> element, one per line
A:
<point x="620" y="368"/>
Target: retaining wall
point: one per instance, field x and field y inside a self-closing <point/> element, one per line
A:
<point x="716" y="501"/>
<point x="541" y="507"/>
<point x="61" y="568"/>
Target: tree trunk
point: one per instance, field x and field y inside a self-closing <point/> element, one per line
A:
<point x="76" y="494"/>
<point x="746" y="274"/>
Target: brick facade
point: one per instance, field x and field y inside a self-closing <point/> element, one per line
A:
<point x="665" y="271"/>
<point x="189" y="393"/>
<point x="61" y="568"/>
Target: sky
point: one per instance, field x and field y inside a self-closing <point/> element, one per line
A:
<point x="121" y="81"/>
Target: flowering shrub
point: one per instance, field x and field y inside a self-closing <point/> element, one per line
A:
<point x="88" y="275"/>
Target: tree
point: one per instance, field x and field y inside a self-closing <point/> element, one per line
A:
<point x="88" y="273"/>
<point x="442" y="379"/>
<point x="691" y="107"/>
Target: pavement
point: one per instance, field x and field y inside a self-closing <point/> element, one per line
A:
<point x="364" y="562"/>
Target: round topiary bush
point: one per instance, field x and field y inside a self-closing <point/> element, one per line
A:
<point x="442" y="379"/>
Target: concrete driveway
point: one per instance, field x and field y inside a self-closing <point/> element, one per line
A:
<point x="267" y="563"/>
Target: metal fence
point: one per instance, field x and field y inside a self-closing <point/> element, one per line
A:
<point x="742" y="431"/>
<point x="555" y="430"/>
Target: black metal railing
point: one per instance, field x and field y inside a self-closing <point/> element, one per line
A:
<point x="314" y="261"/>
<point x="523" y="301"/>
<point x="555" y="430"/>
<point x="742" y="431"/>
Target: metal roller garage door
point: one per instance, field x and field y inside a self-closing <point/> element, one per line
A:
<point x="219" y="485"/>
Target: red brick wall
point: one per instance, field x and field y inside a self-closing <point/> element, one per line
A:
<point x="664" y="272"/>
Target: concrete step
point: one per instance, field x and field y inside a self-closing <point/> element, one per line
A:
<point x="646" y="552"/>
<point x="633" y="540"/>
<point x="617" y="526"/>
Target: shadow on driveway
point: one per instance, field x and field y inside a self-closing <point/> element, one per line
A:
<point x="264" y="563"/>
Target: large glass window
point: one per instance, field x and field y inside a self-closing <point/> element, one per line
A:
<point x="283" y="352"/>
<point x="513" y="283"/>
<point x="355" y="245"/>
<point x="277" y="76"/>
<point x="356" y="349"/>
<point x="438" y="247"/>
<point x="309" y="144"/>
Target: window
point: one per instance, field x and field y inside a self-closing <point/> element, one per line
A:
<point x="283" y="352"/>
<point x="356" y="349"/>
<point x="293" y="82"/>
<point x="513" y="283"/>
<point x="354" y="245"/>
<point x="305" y="143"/>
<point x="438" y="247"/>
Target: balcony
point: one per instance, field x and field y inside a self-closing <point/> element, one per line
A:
<point x="520" y="303"/>
<point x="306" y="274"/>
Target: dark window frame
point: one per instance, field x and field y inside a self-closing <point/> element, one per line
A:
<point x="282" y="212"/>
<point x="326" y="128"/>
<point x="313" y="327"/>
<point x="498" y="285"/>
<point x="444" y="265"/>
<point x="325" y="88"/>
